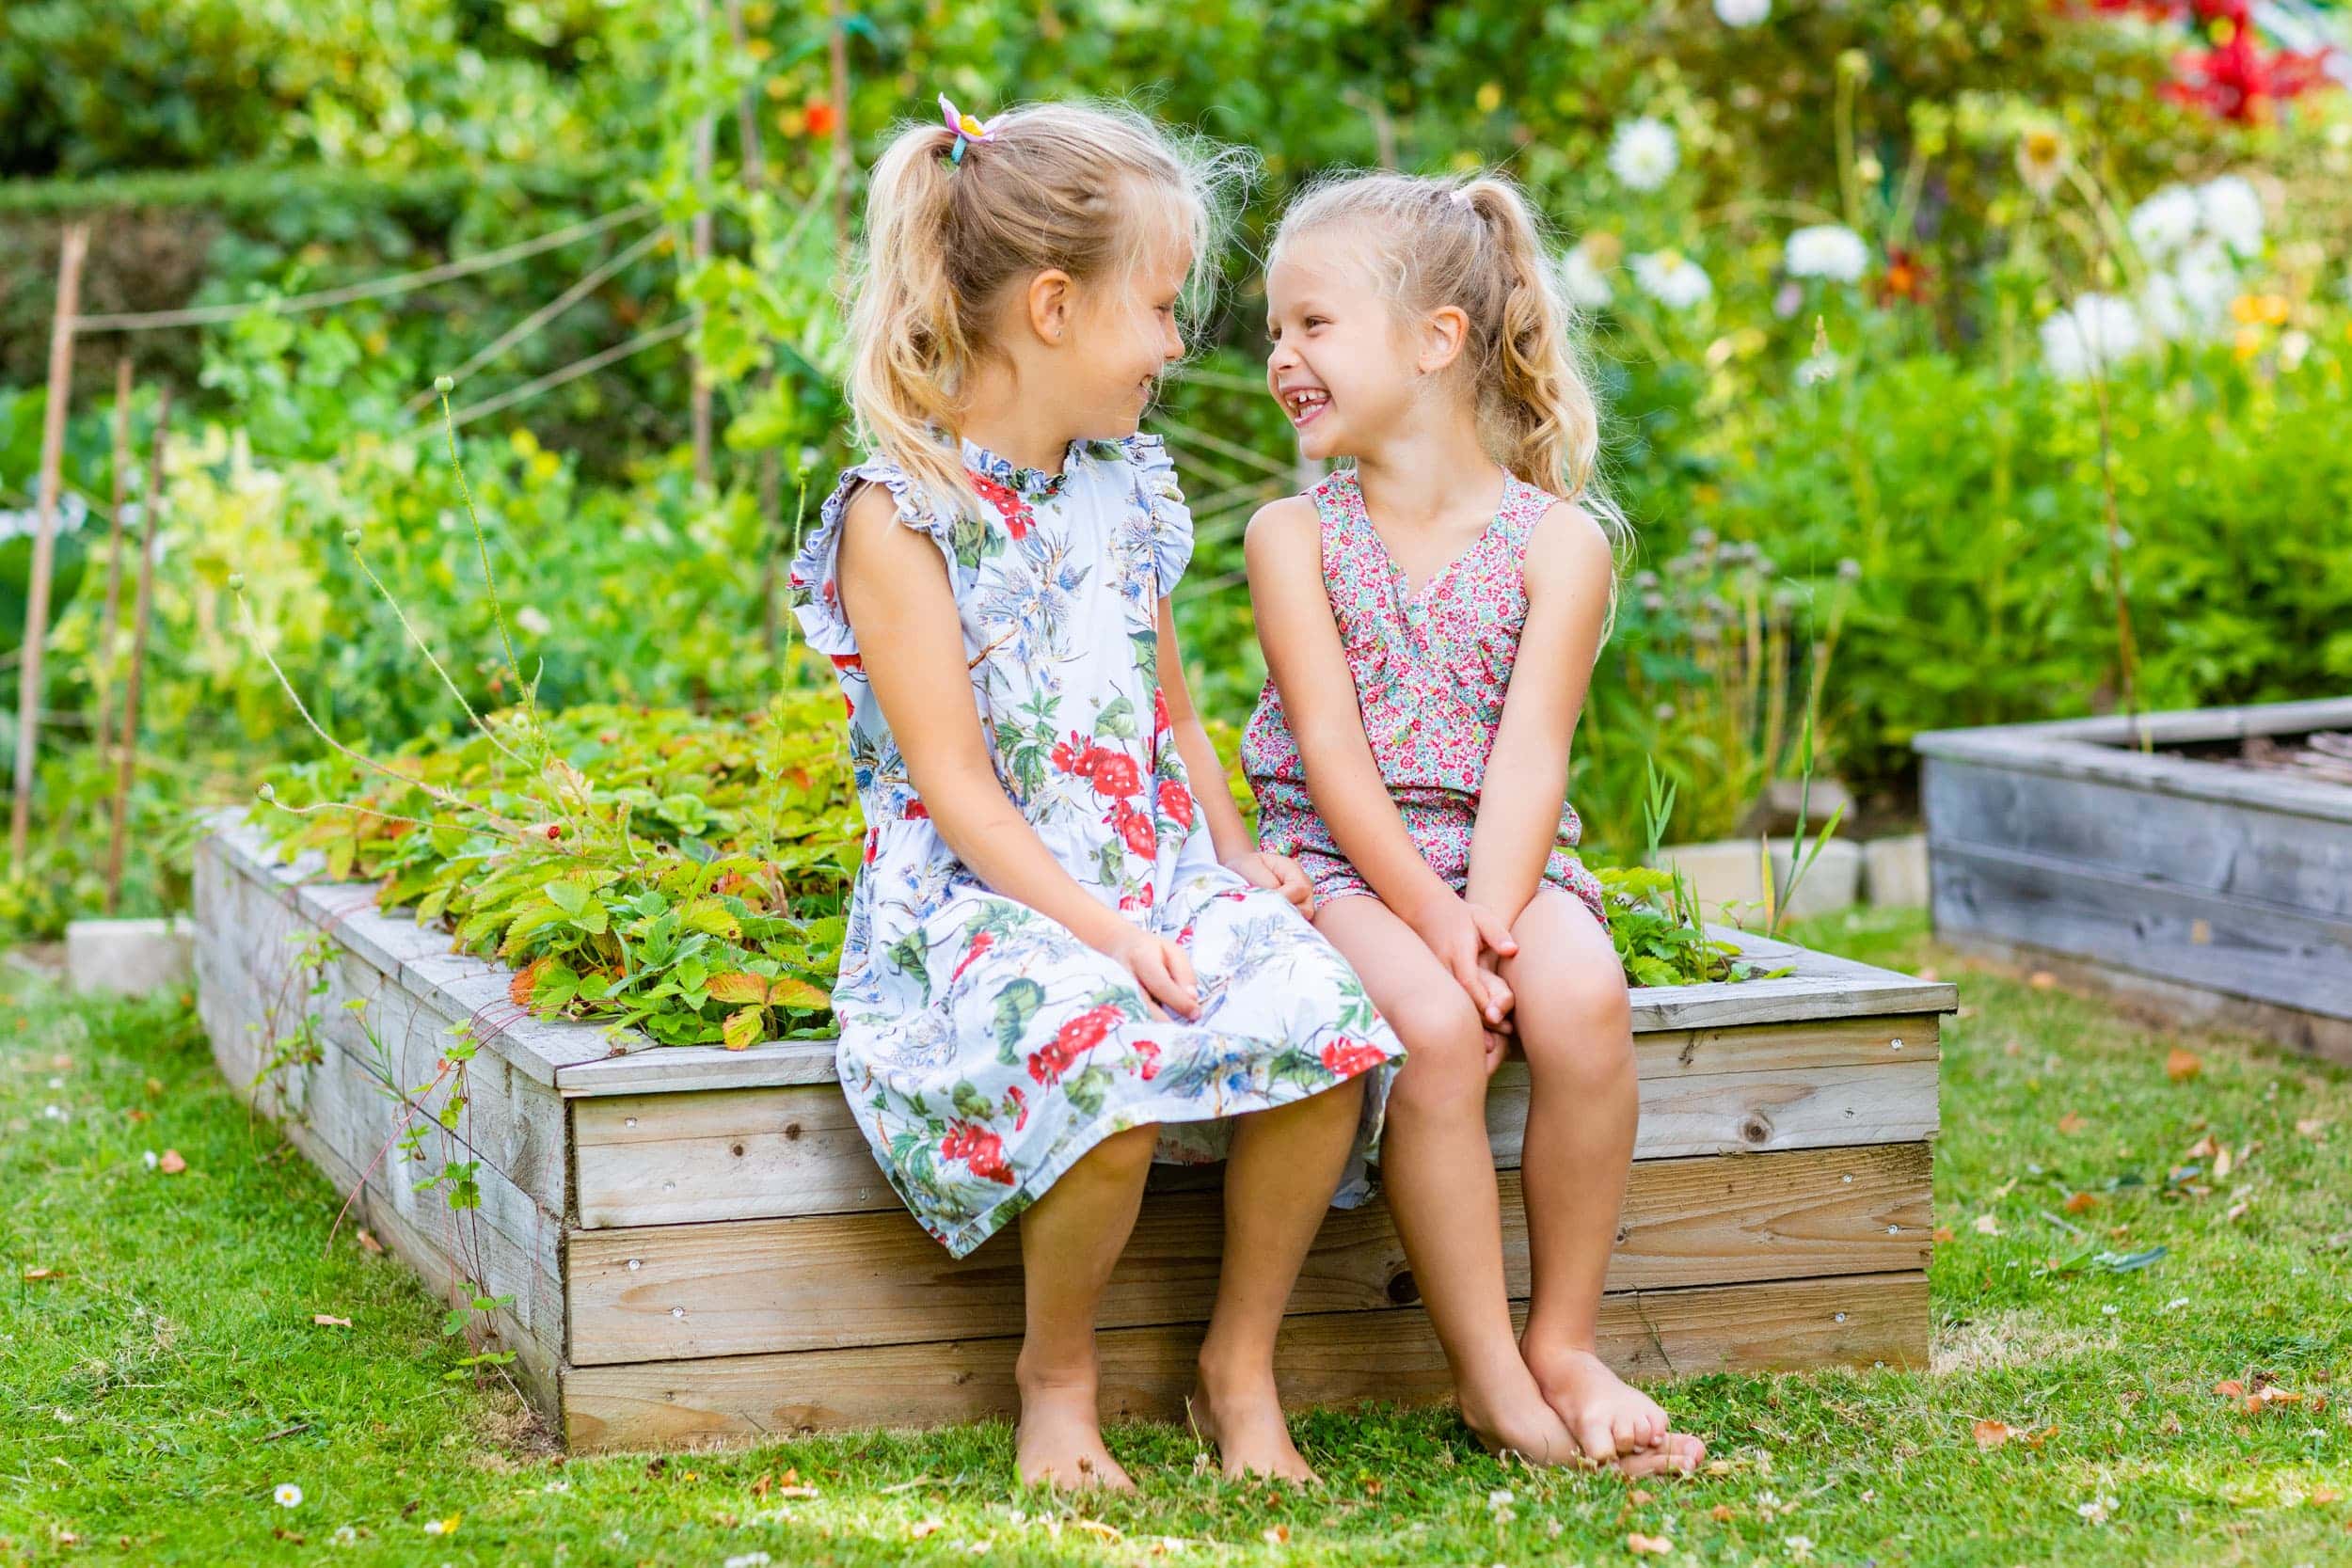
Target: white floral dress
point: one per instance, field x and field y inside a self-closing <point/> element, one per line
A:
<point x="984" y="1048"/>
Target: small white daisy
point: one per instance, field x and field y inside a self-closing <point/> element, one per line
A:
<point x="1742" y="13"/>
<point x="2164" y="223"/>
<point x="1671" y="278"/>
<point x="1828" y="250"/>
<point x="288" y="1495"/>
<point x="1644" y="154"/>
<point x="2232" y="213"/>
<point x="2100" y="331"/>
<point x="1586" y="285"/>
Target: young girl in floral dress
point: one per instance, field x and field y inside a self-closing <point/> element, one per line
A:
<point x="1430" y="617"/>
<point x="1064" y="952"/>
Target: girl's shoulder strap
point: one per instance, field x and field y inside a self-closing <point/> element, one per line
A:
<point x="1522" y="507"/>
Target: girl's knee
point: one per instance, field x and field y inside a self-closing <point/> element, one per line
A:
<point x="1445" y="1051"/>
<point x="1578" y="1027"/>
<point x="1124" y="1156"/>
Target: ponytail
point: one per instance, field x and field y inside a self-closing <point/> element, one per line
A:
<point x="952" y="222"/>
<point x="1479" y="245"/>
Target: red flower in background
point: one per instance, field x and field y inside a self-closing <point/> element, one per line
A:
<point x="1905" y="278"/>
<point x="821" y="120"/>
<point x="2235" y="78"/>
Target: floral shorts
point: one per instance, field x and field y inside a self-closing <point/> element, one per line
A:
<point x="1440" y="829"/>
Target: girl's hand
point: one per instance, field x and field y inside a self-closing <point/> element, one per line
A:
<point x="1161" y="967"/>
<point x="1260" y="868"/>
<point x="1499" y="1037"/>
<point x="1459" y="932"/>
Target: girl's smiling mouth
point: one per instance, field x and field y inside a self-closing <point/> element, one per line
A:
<point x="1303" y="403"/>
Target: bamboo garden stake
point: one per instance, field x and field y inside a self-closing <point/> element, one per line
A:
<point x="75" y="244"/>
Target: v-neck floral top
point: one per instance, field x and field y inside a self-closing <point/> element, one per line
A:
<point x="1432" y="666"/>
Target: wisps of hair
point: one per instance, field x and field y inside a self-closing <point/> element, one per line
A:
<point x="1480" y="246"/>
<point x="1088" y="188"/>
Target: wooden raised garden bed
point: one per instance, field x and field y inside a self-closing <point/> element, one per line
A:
<point x="2204" y="877"/>
<point x="699" y="1246"/>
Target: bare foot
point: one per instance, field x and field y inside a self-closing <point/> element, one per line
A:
<point x="1611" y="1422"/>
<point x="1061" y="1438"/>
<point x="1242" y="1415"/>
<point x="1517" y="1422"/>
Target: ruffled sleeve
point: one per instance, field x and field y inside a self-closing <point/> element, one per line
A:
<point x="1171" y="519"/>
<point x="815" y="589"/>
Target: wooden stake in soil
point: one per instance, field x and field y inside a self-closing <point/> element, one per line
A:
<point x="837" y="67"/>
<point x="75" y="244"/>
<point x="150" y="518"/>
<point x="105" y="663"/>
<point x="706" y="133"/>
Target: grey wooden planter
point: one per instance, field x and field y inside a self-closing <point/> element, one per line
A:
<point x="2193" y="890"/>
<point x="699" y="1246"/>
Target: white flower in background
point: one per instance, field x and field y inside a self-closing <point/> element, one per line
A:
<point x="2164" y="311"/>
<point x="2098" y="1510"/>
<point x="1828" y="250"/>
<point x="534" y="620"/>
<point x="1742" y="13"/>
<point x="2232" y="213"/>
<point x="2165" y="222"/>
<point x="1644" y="154"/>
<point x="2097" y="333"/>
<point x="1816" y="368"/>
<point x="1671" y="278"/>
<point x="288" y="1495"/>
<point x="1584" y="279"/>
<point x="2208" y="279"/>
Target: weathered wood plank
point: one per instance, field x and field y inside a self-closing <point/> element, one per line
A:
<point x="1322" y="1359"/>
<point x="2260" y="857"/>
<point x="2108" y="750"/>
<point x="663" y="1159"/>
<point x="2167" y="1004"/>
<point x="835" y="1280"/>
<point x="2180" y="934"/>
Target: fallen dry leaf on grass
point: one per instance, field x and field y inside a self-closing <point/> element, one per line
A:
<point x="2069" y="1123"/>
<point x="326" y="1319"/>
<point x="1721" y="1513"/>
<point x="40" y="1274"/>
<point x="2180" y="1065"/>
<point x="2081" y="1203"/>
<point x="2042" y="979"/>
<point x="1276" y="1535"/>
<point x="1992" y="1434"/>
<point x="2309" y="1126"/>
<point x="1940" y="1233"/>
<point x="172" y="1163"/>
<point x="1988" y="1226"/>
<point x="368" y="1242"/>
<point x="1656" y="1546"/>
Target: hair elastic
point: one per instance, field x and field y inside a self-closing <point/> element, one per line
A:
<point x="968" y="129"/>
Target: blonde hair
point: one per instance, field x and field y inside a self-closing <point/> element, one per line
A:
<point x="1075" y="186"/>
<point x="1478" y="245"/>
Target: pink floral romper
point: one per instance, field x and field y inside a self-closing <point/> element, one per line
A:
<point x="1432" y="667"/>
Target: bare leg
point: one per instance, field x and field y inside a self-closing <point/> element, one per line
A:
<point x="1439" y="1177"/>
<point x="1278" y="1181"/>
<point x="1574" y="1025"/>
<point x="1070" y="1239"/>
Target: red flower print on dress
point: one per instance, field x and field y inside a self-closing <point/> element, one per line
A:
<point x="1134" y="828"/>
<point x="855" y="663"/>
<point x="1349" y="1057"/>
<point x="981" y="944"/>
<point x="917" y="811"/>
<point x="1019" y="1102"/>
<point x="1176" y="801"/>
<point x="1159" y="710"/>
<point x="1141" y="900"/>
<point x="1148" y="1056"/>
<point x="981" y="1152"/>
<point x="1075" y="756"/>
<point x="1072" y="1040"/>
<point x="873" y="842"/>
<point x="1115" y="773"/>
<point x="1016" y="512"/>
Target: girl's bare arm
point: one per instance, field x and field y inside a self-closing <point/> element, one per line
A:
<point x="1568" y="571"/>
<point x="896" y="594"/>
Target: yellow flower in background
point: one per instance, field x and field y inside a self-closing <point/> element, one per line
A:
<point x="1489" y="98"/>
<point x="2247" y="344"/>
<point x="2263" y="309"/>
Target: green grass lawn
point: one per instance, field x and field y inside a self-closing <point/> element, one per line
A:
<point x="162" y="1373"/>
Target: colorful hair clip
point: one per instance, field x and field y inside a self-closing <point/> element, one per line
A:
<point x="968" y="129"/>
